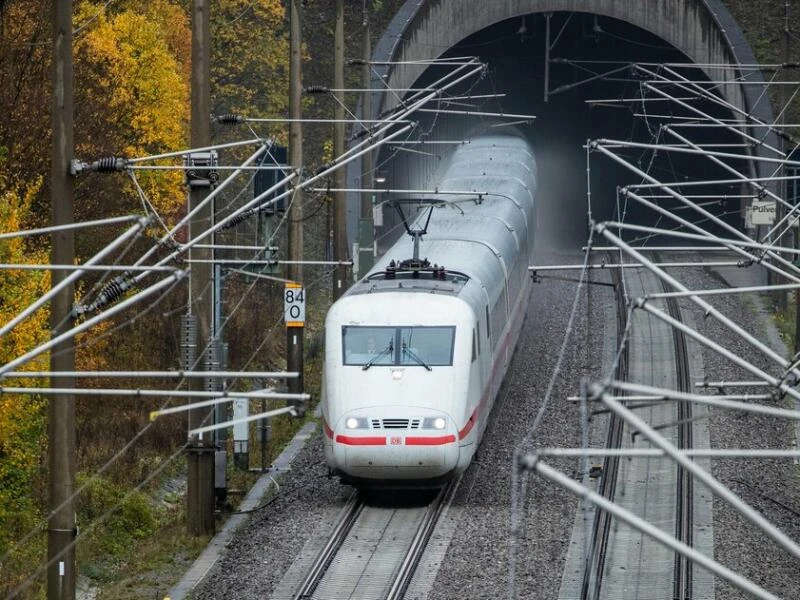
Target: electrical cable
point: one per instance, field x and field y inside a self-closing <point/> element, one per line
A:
<point x="147" y="427"/>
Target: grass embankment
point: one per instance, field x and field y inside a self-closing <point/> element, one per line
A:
<point x="785" y="319"/>
<point x="143" y="548"/>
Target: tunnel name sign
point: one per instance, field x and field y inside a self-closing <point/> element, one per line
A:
<point x="762" y="212"/>
<point x="294" y="305"/>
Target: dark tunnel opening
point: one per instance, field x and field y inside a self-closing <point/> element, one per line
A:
<point x="593" y="94"/>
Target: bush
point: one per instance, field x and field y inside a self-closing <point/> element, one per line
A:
<point x="126" y="517"/>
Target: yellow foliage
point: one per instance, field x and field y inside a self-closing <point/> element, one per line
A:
<point x="135" y="95"/>
<point x="250" y="62"/>
<point x="20" y="287"/>
<point x="21" y="417"/>
<point x="92" y="348"/>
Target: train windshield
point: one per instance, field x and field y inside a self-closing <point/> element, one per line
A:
<point x="395" y="346"/>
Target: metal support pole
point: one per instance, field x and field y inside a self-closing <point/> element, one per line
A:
<point x="547" y="18"/>
<point x="294" y="335"/>
<point x="200" y="451"/>
<point x="61" y="424"/>
<point x="340" y="197"/>
<point x="217" y="384"/>
<point x="366" y="225"/>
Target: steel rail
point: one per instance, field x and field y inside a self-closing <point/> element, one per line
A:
<point x="405" y="568"/>
<point x="721" y="318"/>
<point x="420" y="541"/>
<point x="682" y="567"/>
<point x="706" y="478"/>
<point x="601" y="526"/>
<point x="351" y="512"/>
<point x="533" y="463"/>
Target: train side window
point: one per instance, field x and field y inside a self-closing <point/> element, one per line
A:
<point x="474" y="345"/>
<point x="478" y="332"/>
<point x="499" y="315"/>
<point x="488" y="324"/>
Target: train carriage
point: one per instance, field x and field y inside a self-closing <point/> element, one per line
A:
<point x="415" y="351"/>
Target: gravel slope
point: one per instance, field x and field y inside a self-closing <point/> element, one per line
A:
<point x="264" y="549"/>
<point x="771" y="486"/>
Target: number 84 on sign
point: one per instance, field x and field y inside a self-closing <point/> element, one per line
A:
<point x="294" y="305"/>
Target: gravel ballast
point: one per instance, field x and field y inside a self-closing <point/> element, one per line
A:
<point x="478" y="561"/>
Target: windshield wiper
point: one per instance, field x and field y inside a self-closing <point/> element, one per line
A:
<point x="407" y="350"/>
<point x="384" y="352"/>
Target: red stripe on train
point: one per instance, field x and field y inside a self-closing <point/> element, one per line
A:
<point x="430" y="441"/>
<point x="470" y="424"/>
<point x="361" y="441"/>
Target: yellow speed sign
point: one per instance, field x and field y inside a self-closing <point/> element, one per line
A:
<point x="294" y="305"/>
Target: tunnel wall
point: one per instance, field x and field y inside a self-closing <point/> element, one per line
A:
<point x="701" y="29"/>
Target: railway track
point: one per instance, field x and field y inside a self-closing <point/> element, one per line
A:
<point x="373" y="550"/>
<point x="601" y="527"/>
<point x="682" y="579"/>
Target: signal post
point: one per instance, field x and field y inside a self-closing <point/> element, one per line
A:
<point x="294" y="334"/>
<point x="294" y="314"/>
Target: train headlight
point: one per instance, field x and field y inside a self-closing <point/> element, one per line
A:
<point x="356" y="423"/>
<point x="434" y="423"/>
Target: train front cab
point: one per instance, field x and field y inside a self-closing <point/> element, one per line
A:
<point x="401" y="406"/>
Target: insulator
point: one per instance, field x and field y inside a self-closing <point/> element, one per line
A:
<point x="237" y="219"/>
<point x="391" y="270"/>
<point x="77" y="166"/>
<point x="325" y="167"/>
<point x="317" y="89"/>
<point x="108" y="164"/>
<point x="112" y="291"/>
<point x="229" y="118"/>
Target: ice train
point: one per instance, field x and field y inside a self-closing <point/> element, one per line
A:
<point x="415" y="352"/>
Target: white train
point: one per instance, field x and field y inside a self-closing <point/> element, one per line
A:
<point x="415" y="352"/>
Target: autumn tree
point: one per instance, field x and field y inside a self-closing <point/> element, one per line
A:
<point x="250" y="63"/>
<point x="22" y="417"/>
<point x="132" y="99"/>
<point x="25" y="52"/>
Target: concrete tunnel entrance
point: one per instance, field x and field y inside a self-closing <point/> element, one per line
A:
<point x="589" y="55"/>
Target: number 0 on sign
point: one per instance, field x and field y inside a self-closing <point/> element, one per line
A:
<point x="294" y="305"/>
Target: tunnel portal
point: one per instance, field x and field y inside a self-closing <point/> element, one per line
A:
<point x="571" y="65"/>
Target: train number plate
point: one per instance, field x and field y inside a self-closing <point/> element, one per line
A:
<point x="395" y="440"/>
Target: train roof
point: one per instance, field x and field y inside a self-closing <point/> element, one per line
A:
<point x="476" y="240"/>
<point x="412" y="276"/>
